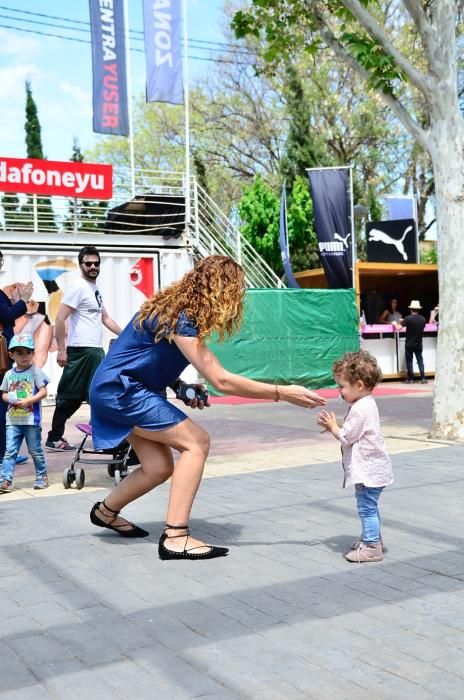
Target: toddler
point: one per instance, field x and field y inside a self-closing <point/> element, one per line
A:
<point x="23" y="387"/>
<point x="365" y="461"/>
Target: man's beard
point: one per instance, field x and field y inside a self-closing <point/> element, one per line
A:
<point x="90" y="277"/>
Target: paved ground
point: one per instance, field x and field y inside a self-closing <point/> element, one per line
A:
<point x="85" y="614"/>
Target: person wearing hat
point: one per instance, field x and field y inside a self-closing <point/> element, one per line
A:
<point x="23" y="388"/>
<point x="414" y="324"/>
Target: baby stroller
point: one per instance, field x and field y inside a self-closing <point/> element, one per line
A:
<point x="118" y="460"/>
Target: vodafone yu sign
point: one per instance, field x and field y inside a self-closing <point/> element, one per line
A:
<point x="52" y="177"/>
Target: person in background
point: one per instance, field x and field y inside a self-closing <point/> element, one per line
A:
<point x="13" y="300"/>
<point x="434" y="315"/>
<point x="391" y="313"/>
<point x="414" y="324"/>
<point x="128" y="398"/>
<point x="38" y="324"/>
<point x="366" y="463"/>
<point x="83" y="310"/>
<point x="23" y="388"/>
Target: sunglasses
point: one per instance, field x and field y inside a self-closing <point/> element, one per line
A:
<point x="89" y="264"/>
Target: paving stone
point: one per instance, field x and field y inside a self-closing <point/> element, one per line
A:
<point x="177" y="674"/>
<point x="445" y="688"/>
<point x="58" y="676"/>
<point x="95" y="651"/>
<point x="91" y="688"/>
<point x="18" y="626"/>
<point x="9" y="608"/>
<point x="75" y="632"/>
<point x="126" y="636"/>
<point x="34" y="649"/>
<point x="51" y="614"/>
<point x="32" y="692"/>
<point x="100" y="615"/>
<point x="16" y="674"/>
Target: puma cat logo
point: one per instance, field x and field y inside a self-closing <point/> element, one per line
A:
<point x="337" y="237"/>
<point x="382" y="237"/>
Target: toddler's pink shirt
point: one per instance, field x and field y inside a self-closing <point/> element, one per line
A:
<point x="364" y="457"/>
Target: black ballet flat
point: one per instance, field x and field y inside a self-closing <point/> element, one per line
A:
<point x="165" y="553"/>
<point x="134" y="530"/>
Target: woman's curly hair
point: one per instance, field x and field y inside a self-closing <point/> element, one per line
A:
<point x="211" y="295"/>
<point x="358" y="365"/>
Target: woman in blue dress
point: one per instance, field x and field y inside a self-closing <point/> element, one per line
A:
<point x="128" y="397"/>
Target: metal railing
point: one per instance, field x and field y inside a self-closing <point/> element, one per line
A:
<point x="214" y="233"/>
<point x="159" y="208"/>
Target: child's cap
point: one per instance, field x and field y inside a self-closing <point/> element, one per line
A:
<point x="22" y="340"/>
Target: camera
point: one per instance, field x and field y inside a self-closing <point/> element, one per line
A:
<point x="188" y="392"/>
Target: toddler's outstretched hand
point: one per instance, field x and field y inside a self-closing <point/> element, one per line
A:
<point x="327" y="420"/>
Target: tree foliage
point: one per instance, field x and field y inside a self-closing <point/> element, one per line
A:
<point x="11" y="211"/>
<point x="359" y="129"/>
<point x="84" y="214"/>
<point x="259" y="214"/>
<point x="32" y="126"/>
<point x="259" y="211"/>
<point x="305" y="145"/>
<point x="302" y="238"/>
<point x="34" y="149"/>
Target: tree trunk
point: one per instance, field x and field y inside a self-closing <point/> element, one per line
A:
<point x="447" y="140"/>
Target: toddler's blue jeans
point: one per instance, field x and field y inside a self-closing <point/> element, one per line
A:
<point x="14" y="438"/>
<point x="367" y="498"/>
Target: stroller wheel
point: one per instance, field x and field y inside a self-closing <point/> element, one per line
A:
<point x="117" y="476"/>
<point x="80" y="478"/>
<point x="68" y="478"/>
<point x="110" y="470"/>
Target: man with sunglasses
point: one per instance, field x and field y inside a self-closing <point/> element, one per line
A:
<point x="83" y="310"/>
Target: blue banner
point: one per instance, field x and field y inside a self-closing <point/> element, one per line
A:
<point x="110" y="113"/>
<point x="331" y="205"/>
<point x="163" y="35"/>
<point x="283" y="237"/>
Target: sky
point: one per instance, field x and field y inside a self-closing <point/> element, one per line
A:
<point x="60" y="70"/>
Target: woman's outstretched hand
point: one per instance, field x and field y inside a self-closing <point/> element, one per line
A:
<point x="300" y="396"/>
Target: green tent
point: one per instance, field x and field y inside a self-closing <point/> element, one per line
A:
<point x="292" y="336"/>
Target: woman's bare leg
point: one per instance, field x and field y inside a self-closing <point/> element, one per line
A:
<point x="42" y="341"/>
<point x="156" y="466"/>
<point x="192" y="442"/>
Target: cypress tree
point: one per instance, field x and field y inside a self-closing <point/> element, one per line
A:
<point x="304" y="148"/>
<point x="32" y="126"/>
<point x="45" y="214"/>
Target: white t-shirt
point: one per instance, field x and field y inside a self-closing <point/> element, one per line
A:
<point x="85" y="327"/>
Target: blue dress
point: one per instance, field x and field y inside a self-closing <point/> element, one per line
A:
<point x="128" y="388"/>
